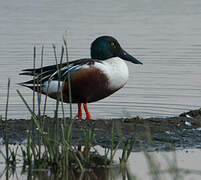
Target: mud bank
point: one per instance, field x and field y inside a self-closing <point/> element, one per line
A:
<point x="152" y="134"/>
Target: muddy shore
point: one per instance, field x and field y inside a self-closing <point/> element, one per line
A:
<point x="152" y="134"/>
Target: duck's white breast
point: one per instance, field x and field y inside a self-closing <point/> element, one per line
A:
<point x="116" y="70"/>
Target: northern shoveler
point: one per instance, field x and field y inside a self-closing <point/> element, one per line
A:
<point x="92" y="79"/>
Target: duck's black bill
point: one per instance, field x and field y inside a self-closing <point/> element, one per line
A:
<point x="124" y="55"/>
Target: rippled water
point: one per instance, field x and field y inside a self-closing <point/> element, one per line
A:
<point x="141" y="165"/>
<point x="164" y="35"/>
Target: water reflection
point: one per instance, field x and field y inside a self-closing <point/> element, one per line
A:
<point x="99" y="173"/>
<point x="143" y="165"/>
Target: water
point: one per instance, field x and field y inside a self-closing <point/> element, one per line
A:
<point x="165" y="36"/>
<point x="163" y="165"/>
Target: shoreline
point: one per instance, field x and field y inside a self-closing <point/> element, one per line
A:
<point x="154" y="134"/>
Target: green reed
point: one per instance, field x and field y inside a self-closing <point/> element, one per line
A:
<point x="10" y="156"/>
<point x="51" y="142"/>
<point x="6" y="118"/>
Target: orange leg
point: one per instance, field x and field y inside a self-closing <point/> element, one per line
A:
<point x="79" y="111"/>
<point x="88" y="115"/>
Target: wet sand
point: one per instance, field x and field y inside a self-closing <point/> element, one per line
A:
<point x="153" y="134"/>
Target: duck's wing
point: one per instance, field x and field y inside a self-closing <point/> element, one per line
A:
<point x="55" y="72"/>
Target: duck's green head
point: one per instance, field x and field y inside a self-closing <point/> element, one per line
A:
<point x="106" y="47"/>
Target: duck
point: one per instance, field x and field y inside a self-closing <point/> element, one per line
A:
<point x="91" y="79"/>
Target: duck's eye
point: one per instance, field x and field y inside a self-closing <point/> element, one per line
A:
<point x="112" y="44"/>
